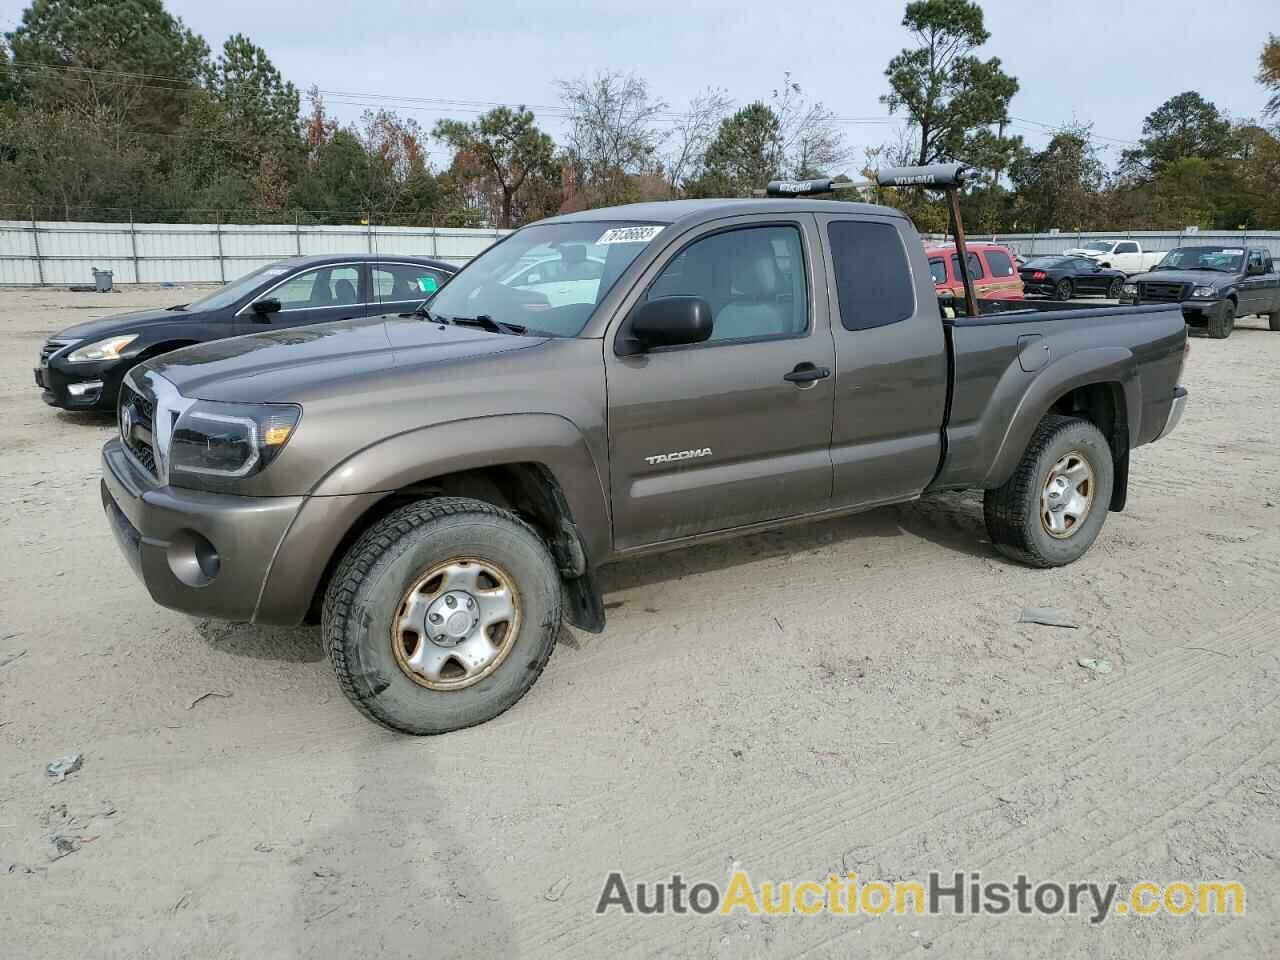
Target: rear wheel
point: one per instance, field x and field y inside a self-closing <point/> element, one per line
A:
<point x="1223" y="322"/>
<point x="442" y="615"/>
<point x="1116" y="288"/>
<point x="1050" y="511"/>
<point x="1063" y="290"/>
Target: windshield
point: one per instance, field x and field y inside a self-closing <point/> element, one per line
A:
<point x="1101" y="246"/>
<point x="233" y="291"/>
<point x="1043" y="263"/>
<point x="1222" y="259"/>
<point x="547" y="278"/>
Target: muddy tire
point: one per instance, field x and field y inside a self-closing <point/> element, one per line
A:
<point x="1050" y="511"/>
<point x="442" y="615"/>
<point x="1223" y="322"/>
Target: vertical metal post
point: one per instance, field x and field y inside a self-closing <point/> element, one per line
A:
<point x="35" y="239"/>
<point x="369" y="224"/>
<point x="133" y="242"/>
<point x="435" y="240"/>
<point x="222" y="262"/>
<point x="970" y="298"/>
<point x="297" y="231"/>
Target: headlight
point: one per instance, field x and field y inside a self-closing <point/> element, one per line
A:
<point x="1129" y="290"/>
<point x="215" y="444"/>
<point x="1204" y="292"/>
<point x="108" y="349"/>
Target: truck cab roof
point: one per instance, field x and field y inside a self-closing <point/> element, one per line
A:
<point x="698" y="211"/>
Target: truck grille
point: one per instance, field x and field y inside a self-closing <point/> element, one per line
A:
<point x="137" y="410"/>
<point x="51" y="347"/>
<point x="1163" y="292"/>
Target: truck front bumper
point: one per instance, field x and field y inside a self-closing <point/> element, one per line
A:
<point x="218" y="555"/>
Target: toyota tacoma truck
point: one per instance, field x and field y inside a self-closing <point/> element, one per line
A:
<point x="438" y="489"/>
<point x="1127" y="256"/>
<point x="1214" y="284"/>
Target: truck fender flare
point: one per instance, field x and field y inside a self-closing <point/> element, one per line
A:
<point x="418" y="455"/>
<point x="1095" y="365"/>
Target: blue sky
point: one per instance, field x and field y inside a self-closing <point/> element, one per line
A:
<point x="1105" y="63"/>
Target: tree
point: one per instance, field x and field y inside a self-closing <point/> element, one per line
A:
<point x="1183" y="126"/>
<point x="1058" y="186"/>
<point x="505" y="146"/>
<point x="948" y="94"/>
<point x="1269" y="74"/>
<point x="258" y="100"/>
<point x="692" y="135"/>
<point x="113" y="59"/>
<point x="611" y="133"/>
<point x="811" y="143"/>
<point x="747" y="153"/>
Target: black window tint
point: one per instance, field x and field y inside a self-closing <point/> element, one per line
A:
<point x="939" y="271"/>
<point x="753" y="280"/>
<point x="1001" y="265"/>
<point x="975" y="266"/>
<point x="873" y="280"/>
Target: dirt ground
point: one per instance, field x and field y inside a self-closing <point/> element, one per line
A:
<point x="852" y="696"/>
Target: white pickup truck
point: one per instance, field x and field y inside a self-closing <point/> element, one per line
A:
<point x="1126" y="255"/>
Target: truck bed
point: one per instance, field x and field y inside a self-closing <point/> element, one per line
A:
<point x="1016" y="359"/>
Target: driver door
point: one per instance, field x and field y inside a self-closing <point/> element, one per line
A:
<point x="335" y="291"/>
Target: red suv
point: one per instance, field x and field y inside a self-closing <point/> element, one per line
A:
<point x="991" y="267"/>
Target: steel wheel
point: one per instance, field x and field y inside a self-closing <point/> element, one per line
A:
<point x="1067" y="496"/>
<point x="456" y="624"/>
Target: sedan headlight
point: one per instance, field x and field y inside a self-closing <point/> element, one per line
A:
<point x="1204" y="292"/>
<point x="215" y="444"/>
<point x="1129" y="290"/>
<point x="108" y="349"/>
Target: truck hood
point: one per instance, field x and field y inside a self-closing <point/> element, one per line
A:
<point x="1203" y="278"/>
<point x="293" y="364"/>
<point x="120" y="323"/>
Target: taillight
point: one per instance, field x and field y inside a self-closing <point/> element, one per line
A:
<point x="1038" y="275"/>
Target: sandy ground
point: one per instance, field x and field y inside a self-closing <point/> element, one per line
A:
<point x="856" y="695"/>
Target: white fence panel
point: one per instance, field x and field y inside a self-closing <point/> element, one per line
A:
<point x="58" y="253"/>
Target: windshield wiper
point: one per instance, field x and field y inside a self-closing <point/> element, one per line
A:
<point x="486" y="322"/>
<point x="180" y="306"/>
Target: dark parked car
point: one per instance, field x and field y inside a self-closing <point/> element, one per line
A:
<point x="81" y="367"/>
<point x="1214" y="284"/>
<point x="1064" y="277"/>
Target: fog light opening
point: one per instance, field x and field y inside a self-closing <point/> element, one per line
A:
<point x="193" y="559"/>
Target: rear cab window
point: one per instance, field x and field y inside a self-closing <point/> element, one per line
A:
<point x="873" y="276"/>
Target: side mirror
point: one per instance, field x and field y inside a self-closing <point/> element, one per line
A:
<point x="667" y="322"/>
<point x="267" y="306"/>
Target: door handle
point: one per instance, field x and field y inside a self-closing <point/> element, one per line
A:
<point x="806" y="373"/>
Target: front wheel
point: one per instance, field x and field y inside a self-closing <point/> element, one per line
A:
<point x="1050" y="511"/>
<point x="442" y="615"/>
<point x="1063" y="290"/>
<point x="1223" y="322"/>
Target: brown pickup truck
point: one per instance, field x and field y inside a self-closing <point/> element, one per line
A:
<point x="438" y="487"/>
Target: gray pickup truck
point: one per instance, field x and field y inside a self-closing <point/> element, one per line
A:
<point x="437" y="488"/>
<point x="1214" y="284"/>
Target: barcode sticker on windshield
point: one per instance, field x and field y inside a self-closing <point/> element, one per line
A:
<point x="642" y="234"/>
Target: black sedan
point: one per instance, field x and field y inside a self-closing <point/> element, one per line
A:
<point x="81" y="367"/>
<point x="1062" y="278"/>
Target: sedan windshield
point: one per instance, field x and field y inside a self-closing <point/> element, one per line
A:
<point x="233" y="291"/>
<point x="1221" y="259"/>
<point x="547" y="278"/>
<point x="1044" y="263"/>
